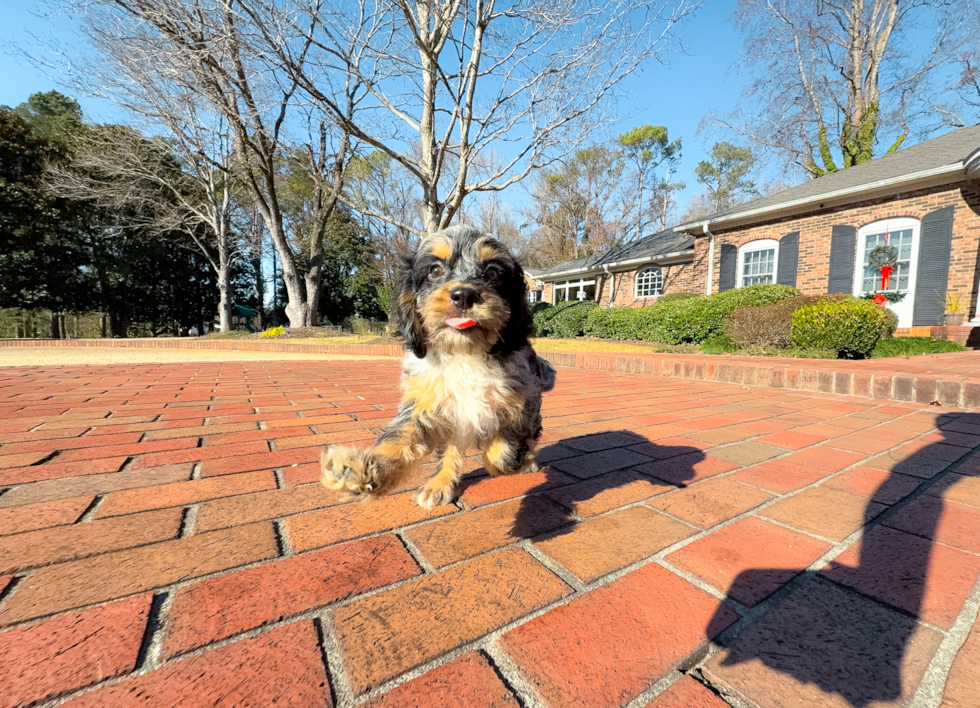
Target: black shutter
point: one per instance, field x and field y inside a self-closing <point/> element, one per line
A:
<point x="789" y="255"/>
<point x="843" y="241"/>
<point x="932" y="271"/>
<point x="729" y="264"/>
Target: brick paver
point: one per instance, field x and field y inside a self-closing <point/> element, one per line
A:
<point x="163" y="542"/>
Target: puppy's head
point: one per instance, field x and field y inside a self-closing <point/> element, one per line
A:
<point x="462" y="292"/>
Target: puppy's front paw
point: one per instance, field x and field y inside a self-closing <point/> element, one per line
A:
<point x="435" y="494"/>
<point x="349" y="468"/>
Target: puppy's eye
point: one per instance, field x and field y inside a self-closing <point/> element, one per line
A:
<point x="435" y="272"/>
<point x="492" y="274"/>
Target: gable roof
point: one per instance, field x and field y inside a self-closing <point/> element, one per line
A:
<point x="664" y="244"/>
<point x="950" y="158"/>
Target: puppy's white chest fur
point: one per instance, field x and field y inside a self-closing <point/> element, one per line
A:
<point x="467" y="396"/>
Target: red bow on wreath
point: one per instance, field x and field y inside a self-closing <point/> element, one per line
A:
<point x="886" y="273"/>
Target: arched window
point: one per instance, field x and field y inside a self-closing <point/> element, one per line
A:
<point x="649" y="283"/>
<point x="757" y="262"/>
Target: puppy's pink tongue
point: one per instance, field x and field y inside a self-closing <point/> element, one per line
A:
<point x="460" y="322"/>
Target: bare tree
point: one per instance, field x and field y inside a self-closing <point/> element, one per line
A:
<point x="448" y="81"/>
<point x="963" y="108"/>
<point x="160" y="188"/>
<point x="834" y="78"/>
<point x="213" y="55"/>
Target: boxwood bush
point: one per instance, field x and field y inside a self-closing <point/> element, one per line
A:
<point x="699" y="318"/>
<point x="850" y="326"/>
<point x="619" y="322"/>
<point x="564" y="320"/>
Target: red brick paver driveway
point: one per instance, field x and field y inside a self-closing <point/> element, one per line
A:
<point x="163" y="542"/>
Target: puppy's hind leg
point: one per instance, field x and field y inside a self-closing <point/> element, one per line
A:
<point x="441" y="488"/>
<point x="506" y="457"/>
<point x="372" y="471"/>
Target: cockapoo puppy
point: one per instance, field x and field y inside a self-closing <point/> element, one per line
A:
<point x="470" y="379"/>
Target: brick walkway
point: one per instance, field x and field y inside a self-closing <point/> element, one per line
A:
<point x="689" y="544"/>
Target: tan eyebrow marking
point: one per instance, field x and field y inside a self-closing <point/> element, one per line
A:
<point x="486" y="252"/>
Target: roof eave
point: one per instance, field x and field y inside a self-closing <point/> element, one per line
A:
<point x="617" y="264"/>
<point x="935" y="176"/>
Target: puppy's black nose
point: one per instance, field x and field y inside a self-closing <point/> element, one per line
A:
<point x="464" y="298"/>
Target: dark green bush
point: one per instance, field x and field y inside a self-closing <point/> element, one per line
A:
<point x="910" y="346"/>
<point x="570" y="318"/>
<point x="619" y="323"/>
<point x="851" y="327"/>
<point x="765" y="325"/>
<point x="697" y="319"/>
<point x="564" y="319"/>
<point x="540" y="315"/>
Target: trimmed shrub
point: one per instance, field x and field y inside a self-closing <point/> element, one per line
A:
<point x="540" y="315"/>
<point x="618" y="323"/>
<point x="765" y="325"/>
<point x="850" y="326"/>
<point x="569" y="319"/>
<point x="696" y="319"/>
<point x="673" y="297"/>
<point x="564" y="320"/>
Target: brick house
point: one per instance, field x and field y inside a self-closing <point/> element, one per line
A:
<point x="632" y="275"/>
<point x="923" y="200"/>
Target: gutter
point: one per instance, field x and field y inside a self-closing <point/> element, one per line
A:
<point x="617" y="264"/>
<point x="711" y="258"/>
<point x="971" y="166"/>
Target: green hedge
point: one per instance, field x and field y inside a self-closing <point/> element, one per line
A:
<point x="684" y="318"/>
<point x="620" y="323"/>
<point x="564" y="320"/>
<point x="698" y="319"/>
<point x="850" y="326"/>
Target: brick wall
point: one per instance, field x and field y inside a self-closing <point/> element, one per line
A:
<point x="815" y="232"/>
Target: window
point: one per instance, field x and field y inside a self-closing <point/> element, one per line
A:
<point x="574" y="290"/>
<point x="757" y="262"/>
<point x="901" y="241"/>
<point x="649" y="283"/>
<point x="534" y="296"/>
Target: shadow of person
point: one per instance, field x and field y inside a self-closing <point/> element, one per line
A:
<point x="591" y="474"/>
<point x="831" y="639"/>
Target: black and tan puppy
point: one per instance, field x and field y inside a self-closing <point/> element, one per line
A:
<point x="470" y="379"/>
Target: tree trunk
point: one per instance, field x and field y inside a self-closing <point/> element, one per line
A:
<point x="224" y="288"/>
<point x="102" y="326"/>
<point x="257" y="267"/>
<point x="55" y="329"/>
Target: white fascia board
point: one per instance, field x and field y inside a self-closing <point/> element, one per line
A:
<point x="618" y="264"/>
<point x="840" y="196"/>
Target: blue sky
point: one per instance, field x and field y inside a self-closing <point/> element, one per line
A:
<point x="678" y="95"/>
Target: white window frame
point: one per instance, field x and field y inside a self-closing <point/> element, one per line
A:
<point x="570" y="287"/>
<point x="534" y="296"/>
<point x="762" y="244"/>
<point x="903" y="309"/>
<point x="654" y="292"/>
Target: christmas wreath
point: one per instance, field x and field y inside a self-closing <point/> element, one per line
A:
<point x="883" y="259"/>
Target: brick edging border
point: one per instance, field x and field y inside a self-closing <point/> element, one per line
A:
<point x="880" y="386"/>
<point x="271" y="345"/>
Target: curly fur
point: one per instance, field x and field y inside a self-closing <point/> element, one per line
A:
<point x="478" y="388"/>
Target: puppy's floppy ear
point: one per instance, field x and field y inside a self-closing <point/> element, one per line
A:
<point x="404" y="312"/>
<point x="519" y="326"/>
